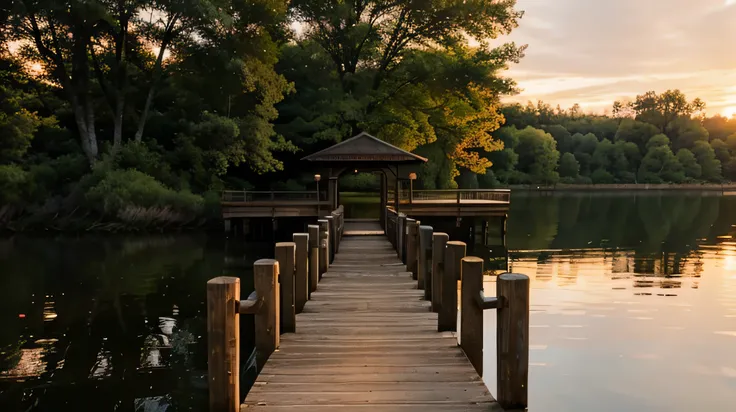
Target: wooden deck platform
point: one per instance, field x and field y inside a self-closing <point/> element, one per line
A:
<point x="367" y="341"/>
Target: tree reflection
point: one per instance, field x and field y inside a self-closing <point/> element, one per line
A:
<point x="114" y="323"/>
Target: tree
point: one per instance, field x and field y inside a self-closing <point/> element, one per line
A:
<point x="99" y="52"/>
<point x="602" y="176"/>
<point x="719" y="127"/>
<point x="19" y="111"/>
<point x="409" y="68"/>
<point x="635" y="132"/>
<point x="685" y="132"/>
<point x="604" y="154"/>
<point x="584" y="146"/>
<point x="538" y="155"/>
<point x="623" y="110"/>
<point x="663" y="109"/>
<point x="721" y="150"/>
<point x="562" y="136"/>
<point x="569" y="166"/>
<point x="627" y="161"/>
<point x="659" y="165"/>
<point x="689" y="163"/>
<point x="711" y="167"/>
<point x="659" y="140"/>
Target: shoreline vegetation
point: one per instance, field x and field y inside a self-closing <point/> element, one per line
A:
<point x="111" y="120"/>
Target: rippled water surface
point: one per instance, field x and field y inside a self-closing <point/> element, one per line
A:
<point x="633" y="302"/>
<point x="633" y="309"/>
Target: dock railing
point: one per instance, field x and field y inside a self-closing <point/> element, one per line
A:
<point x="438" y="264"/>
<point x="449" y="195"/>
<point x="248" y="196"/>
<point x="282" y="287"/>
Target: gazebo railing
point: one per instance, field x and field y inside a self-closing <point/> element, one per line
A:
<point x="265" y="196"/>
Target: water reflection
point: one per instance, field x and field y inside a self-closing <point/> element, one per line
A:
<point x="633" y="301"/>
<point x="108" y="323"/>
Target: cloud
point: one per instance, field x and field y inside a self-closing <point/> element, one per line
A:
<point x="593" y="51"/>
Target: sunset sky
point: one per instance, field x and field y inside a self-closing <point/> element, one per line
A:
<point x="593" y="52"/>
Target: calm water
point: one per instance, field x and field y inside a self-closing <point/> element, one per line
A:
<point x="633" y="300"/>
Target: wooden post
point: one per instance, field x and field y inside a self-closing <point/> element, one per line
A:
<point x="425" y="261"/>
<point x="324" y="254"/>
<point x="447" y="318"/>
<point x="223" y="343"/>
<point x="313" y="258"/>
<point x="411" y="247"/>
<point x="285" y="256"/>
<point x="512" y="340"/>
<point x="301" y="271"/>
<point x="400" y="229"/>
<point x="439" y="244"/>
<point x="267" y="329"/>
<point x="331" y="236"/>
<point x="471" y="315"/>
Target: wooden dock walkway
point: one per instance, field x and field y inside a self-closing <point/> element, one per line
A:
<point x="367" y="339"/>
<point x="364" y="330"/>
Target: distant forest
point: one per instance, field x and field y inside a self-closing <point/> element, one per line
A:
<point x="118" y="115"/>
<point x="655" y="138"/>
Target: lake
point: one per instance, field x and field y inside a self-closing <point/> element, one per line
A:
<point x="633" y="309"/>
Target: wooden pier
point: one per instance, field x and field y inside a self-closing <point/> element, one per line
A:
<point x="371" y="334"/>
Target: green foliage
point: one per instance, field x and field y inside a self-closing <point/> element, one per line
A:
<point x="360" y="182"/>
<point x="538" y="155"/>
<point x="13" y="180"/>
<point x="112" y="193"/>
<point x="711" y="167"/>
<point x="660" y="165"/>
<point x="601" y="176"/>
<point x="569" y="166"/>
<point x="659" y="140"/>
<point x="562" y="136"/>
<point x="636" y="132"/>
<point x="689" y="163"/>
<point x="721" y="149"/>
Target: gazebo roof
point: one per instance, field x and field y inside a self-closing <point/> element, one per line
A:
<point x="364" y="147"/>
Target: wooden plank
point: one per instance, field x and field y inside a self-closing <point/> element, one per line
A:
<point x="417" y="407"/>
<point x="362" y="397"/>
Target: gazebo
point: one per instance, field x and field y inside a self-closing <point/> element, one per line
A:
<point x="369" y="154"/>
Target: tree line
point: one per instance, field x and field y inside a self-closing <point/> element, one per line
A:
<point x="136" y="113"/>
<point x="655" y="138"/>
<point x="139" y="112"/>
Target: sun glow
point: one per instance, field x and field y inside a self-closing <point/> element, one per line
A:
<point x="730" y="111"/>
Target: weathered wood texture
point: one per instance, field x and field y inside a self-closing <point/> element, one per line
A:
<point x="512" y="340"/>
<point x="324" y="253"/>
<point x="424" y="261"/>
<point x="471" y="315"/>
<point x="412" y="229"/>
<point x="439" y="244"/>
<point x="301" y="271"/>
<point x="447" y="319"/>
<point x="285" y="252"/>
<point x="367" y="341"/>
<point x="267" y="328"/>
<point x="313" y="257"/>
<point x="332" y="231"/>
<point x="223" y="334"/>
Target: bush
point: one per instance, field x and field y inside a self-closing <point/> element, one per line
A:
<point x="601" y="176"/>
<point x="361" y="182"/>
<point x="12" y="184"/>
<point x="112" y="192"/>
<point x="139" y="156"/>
